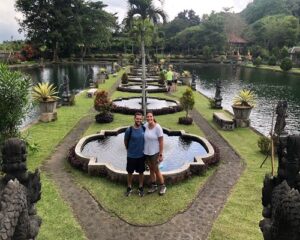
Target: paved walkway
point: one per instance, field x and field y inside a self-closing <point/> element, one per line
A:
<point x="195" y="223"/>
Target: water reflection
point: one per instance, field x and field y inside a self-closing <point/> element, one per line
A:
<point x="270" y="87"/>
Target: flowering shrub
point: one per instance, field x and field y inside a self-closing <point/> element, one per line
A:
<point x="102" y="102"/>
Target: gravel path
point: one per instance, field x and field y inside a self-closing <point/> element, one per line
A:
<point x="195" y="223"/>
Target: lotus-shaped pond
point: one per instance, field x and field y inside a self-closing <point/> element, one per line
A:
<point x="105" y="154"/>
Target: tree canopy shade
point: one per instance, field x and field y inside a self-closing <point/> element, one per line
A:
<point x="64" y="24"/>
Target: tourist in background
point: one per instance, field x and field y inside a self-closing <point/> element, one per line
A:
<point x="134" y="143"/>
<point x="169" y="78"/>
<point x="153" y="150"/>
<point x="174" y="82"/>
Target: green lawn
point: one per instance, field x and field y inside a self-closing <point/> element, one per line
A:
<point x="242" y="212"/>
<point x="58" y="219"/>
<point x="154" y="209"/>
<point x="243" y="207"/>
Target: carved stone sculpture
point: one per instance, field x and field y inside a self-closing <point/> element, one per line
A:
<point x="218" y="99"/>
<point x="19" y="191"/>
<point x="280" y="194"/>
<point x="281" y="109"/>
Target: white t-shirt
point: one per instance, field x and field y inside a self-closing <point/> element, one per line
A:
<point x="151" y="136"/>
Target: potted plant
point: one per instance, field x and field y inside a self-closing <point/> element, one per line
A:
<point x="103" y="105"/>
<point x="45" y="94"/>
<point x="102" y="75"/>
<point x="162" y="78"/>
<point x="124" y="78"/>
<point x="187" y="102"/>
<point x="186" y="78"/>
<point x="243" y="103"/>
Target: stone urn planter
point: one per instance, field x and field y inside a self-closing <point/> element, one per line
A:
<point x="186" y="81"/>
<point x="243" y="103"/>
<point x="48" y="111"/>
<point x="45" y="95"/>
<point x="48" y="106"/>
<point x="186" y="78"/>
<point x="241" y="115"/>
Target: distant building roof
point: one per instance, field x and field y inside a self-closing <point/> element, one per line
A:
<point x="294" y="50"/>
<point x="232" y="38"/>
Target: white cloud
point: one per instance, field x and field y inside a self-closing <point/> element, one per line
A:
<point x="8" y="23"/>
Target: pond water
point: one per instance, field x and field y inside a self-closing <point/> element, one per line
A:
<point x="78" y="79"/>
<point x="269" y="87"/>
<point x="152" y="103"/>
<point x="177" y="151"/>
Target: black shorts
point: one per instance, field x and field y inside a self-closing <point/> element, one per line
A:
<point x="169" y="82"/>
<point x="175" y="81"/>
<point x="135" y="164"/>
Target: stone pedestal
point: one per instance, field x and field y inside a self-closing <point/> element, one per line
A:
<point x="218" y="103"/>
<point x="241" y="115"/>
<point x="48" y="117"/>
<point x="242" y="122"/>
<point x="67" y="100"/>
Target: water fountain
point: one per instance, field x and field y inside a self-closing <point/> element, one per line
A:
<point x="185" y="154"/>
<point x="137" y="88"/>
<point x="133" y="104"/>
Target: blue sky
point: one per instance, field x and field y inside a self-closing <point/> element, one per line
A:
<point x="9" y="25"/>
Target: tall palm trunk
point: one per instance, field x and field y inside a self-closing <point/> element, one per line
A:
<point x="144" y="104"/>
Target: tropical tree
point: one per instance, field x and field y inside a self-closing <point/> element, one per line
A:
<point x="65" y="25"/>
<point x="145" y="11"/>
<point x="95" y="26"/>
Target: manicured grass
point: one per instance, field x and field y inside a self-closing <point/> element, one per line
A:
<point x="152" y="209"/>
<point x="58" y="219"/>
<point x="148" y="210"/>
<point x="273" y="68"/>
<point x="242" y="212"/>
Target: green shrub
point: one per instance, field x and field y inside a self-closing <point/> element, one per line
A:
<point x="286" y="64"/>
<point x="272" y="60"/>
<point x="187" y="100"/>
<point x="124" y="78"/>
<point x="284" y="52"/>
<point x="257" y="61"/>
<point x="14" y="101"/>
<point x="264" y="144"/>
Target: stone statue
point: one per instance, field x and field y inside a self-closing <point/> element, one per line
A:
<point x="218" y="99"/>
<point x="20" y="190"/>
<point x="90" y="76"/>
<point x="66" y="88"/>
<point x="280" y="194"/>
<point x="218" y="89"/>
<point x="281" y="109"/>
<point x="193" y="83"/>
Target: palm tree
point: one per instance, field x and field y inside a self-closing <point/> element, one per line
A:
<point x="145" y="11"/>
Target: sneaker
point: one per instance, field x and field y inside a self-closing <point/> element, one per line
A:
<point x="141" y="191"/>
<point x="162" y="189"/>
<point x="128" y="191"/>
<point x="153" y="188"/>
